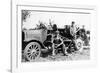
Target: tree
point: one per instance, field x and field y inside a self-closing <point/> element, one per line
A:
<point x="25" y="14"/>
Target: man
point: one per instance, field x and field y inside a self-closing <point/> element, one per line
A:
<point x="73" y="28"/>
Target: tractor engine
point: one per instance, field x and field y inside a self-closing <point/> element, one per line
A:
<point x="54" y="40"/>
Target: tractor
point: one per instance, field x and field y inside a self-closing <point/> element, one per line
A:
<point x="41" y="39"/>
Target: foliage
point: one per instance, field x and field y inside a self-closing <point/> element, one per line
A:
<point x="25" y="14"/>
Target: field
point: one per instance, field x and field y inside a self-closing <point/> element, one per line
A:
<point x="84" y="55"/>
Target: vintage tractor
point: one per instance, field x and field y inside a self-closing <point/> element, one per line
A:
<point x="41" y="39"/>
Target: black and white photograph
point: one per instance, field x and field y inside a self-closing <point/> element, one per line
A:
<point x="50" y="35"/>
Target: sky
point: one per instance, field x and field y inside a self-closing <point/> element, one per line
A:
<point x="60" y="19"/>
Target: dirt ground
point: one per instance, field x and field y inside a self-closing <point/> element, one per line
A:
<point x="84" y="55"/>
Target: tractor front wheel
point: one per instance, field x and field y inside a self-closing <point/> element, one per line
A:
<point x="79" y="44"/>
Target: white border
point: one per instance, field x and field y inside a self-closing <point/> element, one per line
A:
<point x="17" y="66"/>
